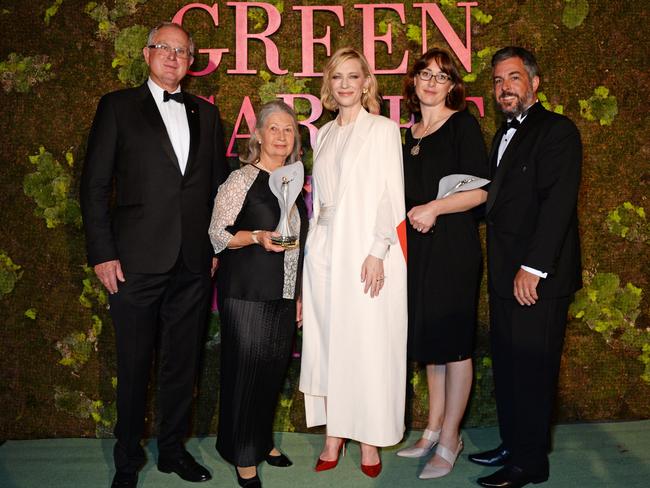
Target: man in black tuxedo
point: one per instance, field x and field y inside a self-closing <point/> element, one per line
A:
<point x="157" y="152"/>
<point x="533" y="265"/>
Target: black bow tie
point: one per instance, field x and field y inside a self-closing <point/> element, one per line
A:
<point x="512" y="124"/>
<point x="177" y="97"/>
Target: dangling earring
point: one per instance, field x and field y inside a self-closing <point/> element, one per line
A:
<point x="449" y="96"/>
<point x="364" y="91"/>
<point x="259" y="141"/>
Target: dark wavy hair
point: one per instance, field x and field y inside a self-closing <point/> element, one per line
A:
<point x="455" y="100"/>
<point x="527" y="57"/>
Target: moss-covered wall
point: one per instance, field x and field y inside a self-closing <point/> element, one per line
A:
<point x="57" y="363"/>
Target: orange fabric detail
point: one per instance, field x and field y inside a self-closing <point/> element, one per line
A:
<point x="401" y="234"/>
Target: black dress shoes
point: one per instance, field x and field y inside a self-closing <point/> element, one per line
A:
<point x="124" y="480"/>
<point x="279" y="461"/>
<point x="185" y="467"/>
<point x="495" y="457"/>
<point x="510" y="477"/>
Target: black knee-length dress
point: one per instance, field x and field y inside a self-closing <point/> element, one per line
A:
<point x="256" y="292"/>
<point x="443" y="266"/>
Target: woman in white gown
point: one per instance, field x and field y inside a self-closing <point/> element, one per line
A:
<point x="353" y="370"/>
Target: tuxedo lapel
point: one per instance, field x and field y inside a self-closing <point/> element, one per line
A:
<point x="524" y="131"/>
<point x="494" y="152"/>
<point x="152" y="115"/>
<point x="496" y="175"/>
<point x="194" y="121"/>
<point x="498" y="172"/>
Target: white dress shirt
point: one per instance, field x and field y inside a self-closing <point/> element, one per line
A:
<point x="175" y="119"/>
<point x="505" y="140"/>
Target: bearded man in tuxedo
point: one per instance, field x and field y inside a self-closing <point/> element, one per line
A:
<point x="154" y="161"/>
<point x="533" y="265"/>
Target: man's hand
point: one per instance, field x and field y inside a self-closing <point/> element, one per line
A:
<point x="525" y="287"/>
<point x="109" y="273"/>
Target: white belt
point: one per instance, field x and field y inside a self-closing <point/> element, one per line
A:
<point x="326" y="214"/>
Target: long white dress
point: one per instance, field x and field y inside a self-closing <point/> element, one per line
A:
<point x="353" y="371"/>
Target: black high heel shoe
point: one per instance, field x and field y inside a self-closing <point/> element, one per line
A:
<point x="279" y="461"/>
<point x="253" y="482"/>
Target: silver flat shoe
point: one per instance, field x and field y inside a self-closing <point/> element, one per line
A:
<point x="431" y="436"/>
<point x="430" y="472"/>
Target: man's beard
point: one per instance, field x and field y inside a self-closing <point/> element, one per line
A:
<point x="519" y="107"/>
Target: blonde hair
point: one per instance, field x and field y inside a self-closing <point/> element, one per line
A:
<point x="263" y="114"/>
<point x="370" y="99"/>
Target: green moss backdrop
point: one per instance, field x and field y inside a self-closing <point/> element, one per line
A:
<point x="57" y="57"/>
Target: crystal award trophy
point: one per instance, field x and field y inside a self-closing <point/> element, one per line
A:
<point x="451" y="184"/>
<point x="286" y="184"/>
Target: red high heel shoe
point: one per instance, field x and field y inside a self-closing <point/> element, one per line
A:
<point x="322" y="465"/>
<point x="371" y="470"/>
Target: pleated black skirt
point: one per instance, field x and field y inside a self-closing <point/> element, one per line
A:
<point x="256" y="339"/>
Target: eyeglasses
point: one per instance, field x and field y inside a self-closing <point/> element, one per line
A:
<point x="180" y="52"/>
<point x="426" y="75"/>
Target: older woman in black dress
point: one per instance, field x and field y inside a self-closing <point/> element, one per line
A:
<point x="258" y="283"/>
<point x="443" y="249"/>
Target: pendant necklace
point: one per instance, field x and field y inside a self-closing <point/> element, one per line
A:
<point x="415" y="150"/>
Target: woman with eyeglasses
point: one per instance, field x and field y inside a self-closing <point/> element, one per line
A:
<point x="444" y="252"/>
